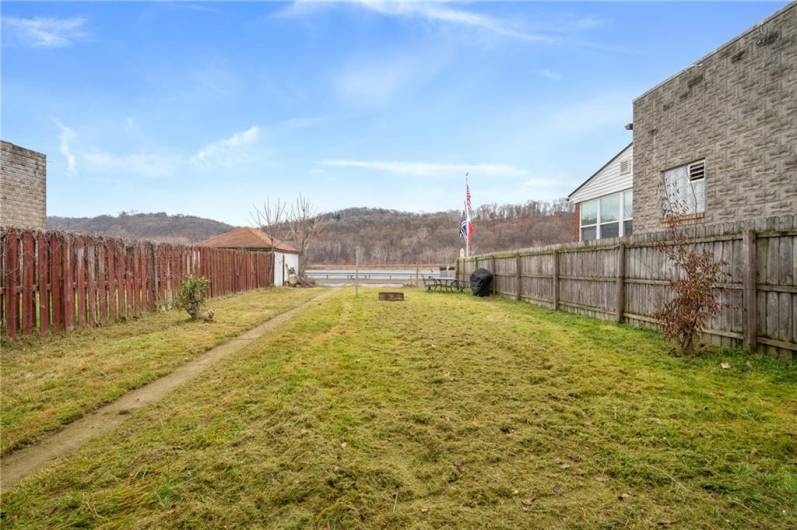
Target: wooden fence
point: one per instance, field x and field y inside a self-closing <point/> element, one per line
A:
<point x="628" y="279"/>
<point x="54" y="281"/>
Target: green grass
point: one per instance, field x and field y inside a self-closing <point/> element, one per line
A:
<point x="444" y="411"/>
<point x="47" y="382"/>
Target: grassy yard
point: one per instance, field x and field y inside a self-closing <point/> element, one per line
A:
<point x="443" y="411"/>
<point x="51" y="381"/>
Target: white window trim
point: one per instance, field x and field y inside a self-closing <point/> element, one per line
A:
<point x="621" y="218"/>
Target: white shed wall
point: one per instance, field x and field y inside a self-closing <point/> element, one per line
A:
<point x="283" y="261"/>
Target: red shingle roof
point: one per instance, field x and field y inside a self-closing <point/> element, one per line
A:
<point x="248" y="238"/>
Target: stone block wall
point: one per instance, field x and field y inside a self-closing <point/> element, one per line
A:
<point x="23" y="187"/>
<point x="737" y="109"/>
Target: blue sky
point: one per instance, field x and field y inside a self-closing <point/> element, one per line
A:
<point x="206" y="108"/>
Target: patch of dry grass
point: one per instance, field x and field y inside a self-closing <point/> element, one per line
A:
<point x="444" y="411"/>
<point x="47" y="382"/>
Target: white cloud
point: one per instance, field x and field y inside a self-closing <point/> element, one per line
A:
<point x="65" y="138"/>
<point x="430" y="11"/>
<point x="46" y="32"/>
<point x="549" y="74"/>
<point x="229" y="150"/>
<point x="428" y="169"/>
<point x="374" y="83"/>
<point x="140" y="164"/>
<point x="438" y="12"/>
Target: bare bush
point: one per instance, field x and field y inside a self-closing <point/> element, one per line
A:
<point x="695" y="289"/>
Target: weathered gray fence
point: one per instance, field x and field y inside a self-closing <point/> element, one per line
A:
<point x="628" y="279"/>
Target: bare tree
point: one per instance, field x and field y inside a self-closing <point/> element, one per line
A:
<point x="304" y="225"/>
<point x="270" y="218"/>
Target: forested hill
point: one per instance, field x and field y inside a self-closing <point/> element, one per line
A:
<point x="149" y="226"/>
<point x="391" y="237"/>
<point x="385" y="236"/>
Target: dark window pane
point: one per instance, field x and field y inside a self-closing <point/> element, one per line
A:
<point x="588" y="234"/>
<point x="627" y="228"/>
<point x="610" y="230"/>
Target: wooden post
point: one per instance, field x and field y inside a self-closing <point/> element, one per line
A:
<point x="750" y="302"/>
<point x="28" y="279"/>
<point x="495" y="276"/>
<point x="518" y="277"/>
<point x="356" y="271"/>
<point x="556" y="280"/>
<point x="620" y="301"/>
<point x="68" y="285"/>
<point x="156" y="287"/>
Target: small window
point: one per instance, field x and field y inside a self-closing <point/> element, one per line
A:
<point x="685" y="189"/>
<point x="625" y="167"/>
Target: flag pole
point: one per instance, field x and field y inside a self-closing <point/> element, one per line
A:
<point x="467" y="214"/>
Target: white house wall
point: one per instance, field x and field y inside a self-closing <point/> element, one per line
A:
<point x="608" y="180"/>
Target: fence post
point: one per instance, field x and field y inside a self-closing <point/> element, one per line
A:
<point x="749" y="290"/>
<point x="518" y="277"/>
<point x="556" y="280"/>
<point x="620" y="302"/>
<point x="156" y="276"/>
<point x="495" y="275"/>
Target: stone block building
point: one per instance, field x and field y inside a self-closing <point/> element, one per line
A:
<point x="23" y="187"/>
<point x="719" y="139"/>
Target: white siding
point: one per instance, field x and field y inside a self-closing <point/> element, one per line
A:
<point x="608" y="180"/>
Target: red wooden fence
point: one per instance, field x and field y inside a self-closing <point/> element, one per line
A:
<point x="54" y="281"/>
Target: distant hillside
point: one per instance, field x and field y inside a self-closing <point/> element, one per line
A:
<point x="385" y="236"/>
<point x="150" y="226"/>
<point x="393" y="237"/>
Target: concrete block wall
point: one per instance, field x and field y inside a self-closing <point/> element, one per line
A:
<point x="23" y="187"/>
<point x="737" y="109"/>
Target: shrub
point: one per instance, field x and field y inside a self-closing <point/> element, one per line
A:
<point x="192" y="294"/>
<point x="696" y="289"/>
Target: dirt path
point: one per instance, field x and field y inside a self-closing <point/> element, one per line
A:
<point x="26" y="461"/>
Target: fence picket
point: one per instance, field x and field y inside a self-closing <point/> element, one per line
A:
<point x="11" y="306"/>
<point x="43" y="282"/>
<point x="56" y="281"/>
<point x="28" y="277"/>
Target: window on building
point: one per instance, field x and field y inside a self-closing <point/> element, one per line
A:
<point x="607" y="216"/>
<point x="610" y="215"/>
<point x="685" y="189"/>
<point x="589" y="220"/>
<point x="628" y="211"/>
